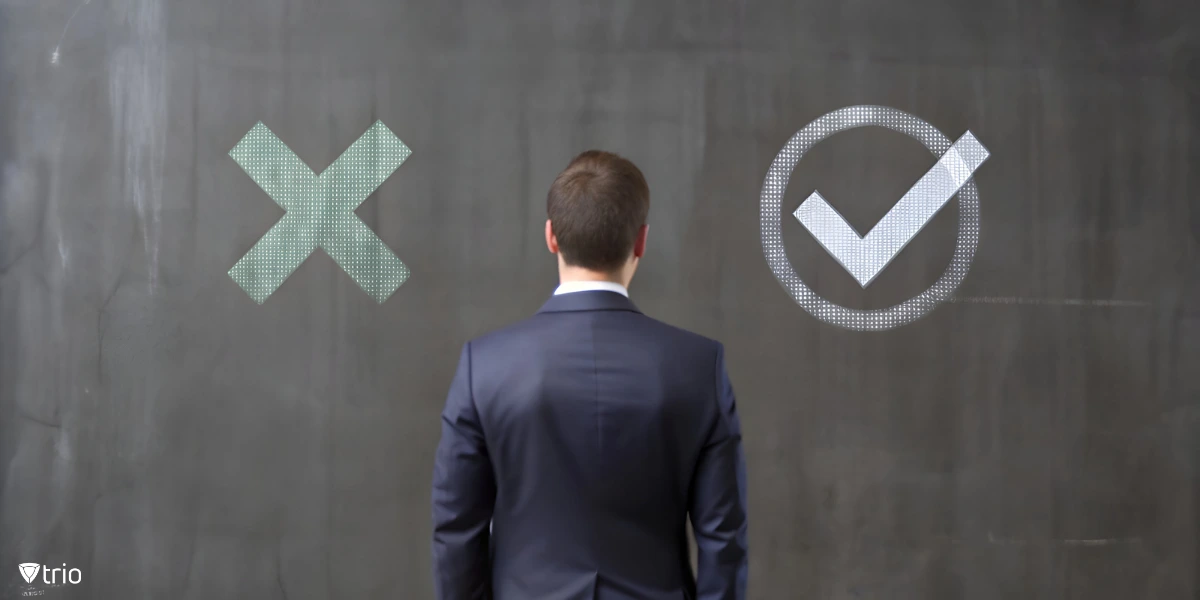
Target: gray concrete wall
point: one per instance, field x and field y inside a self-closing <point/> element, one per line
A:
<point x="1035" y="438"/>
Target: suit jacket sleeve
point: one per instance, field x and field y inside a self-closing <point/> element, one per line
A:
<point x="718" y="501"/>
<point x="464" y="494"/>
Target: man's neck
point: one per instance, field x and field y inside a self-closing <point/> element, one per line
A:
<point x="568" y="274"/>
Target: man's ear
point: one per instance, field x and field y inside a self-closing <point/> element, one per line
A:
<point x="551" y="241"/>
<point x="639" y="245"/>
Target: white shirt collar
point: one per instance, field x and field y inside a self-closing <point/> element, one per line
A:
<point x="569" y="287"/>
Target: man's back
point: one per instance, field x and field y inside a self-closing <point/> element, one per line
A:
<point x="576" y="444"/>
<point x="602" y="429"/>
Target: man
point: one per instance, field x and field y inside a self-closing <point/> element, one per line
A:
<point x="575" y="444"/>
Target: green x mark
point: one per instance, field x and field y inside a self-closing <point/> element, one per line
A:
<point x="320" y="212"/>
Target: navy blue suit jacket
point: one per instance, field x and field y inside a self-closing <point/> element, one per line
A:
<point x="585" y="437"/>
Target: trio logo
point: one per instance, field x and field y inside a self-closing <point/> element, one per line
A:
<point x="865" y="256"/>
<point x="29" y="572"/>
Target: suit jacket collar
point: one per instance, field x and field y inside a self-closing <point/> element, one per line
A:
<point x="584" y="301"/>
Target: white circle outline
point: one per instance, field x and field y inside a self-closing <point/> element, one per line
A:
<point x="771" y="201"/>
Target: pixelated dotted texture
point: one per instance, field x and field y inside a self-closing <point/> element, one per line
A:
<point x="320" y="212"/>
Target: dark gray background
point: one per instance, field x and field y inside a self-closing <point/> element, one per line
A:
<point x="172" y="439"/>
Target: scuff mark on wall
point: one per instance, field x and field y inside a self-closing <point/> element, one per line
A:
<point x="138" y="101"/>
<point x="1000" y="541"/>
<point x="54" y="55"/>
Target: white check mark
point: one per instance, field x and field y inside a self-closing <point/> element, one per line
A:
<point x="864" y="257"/>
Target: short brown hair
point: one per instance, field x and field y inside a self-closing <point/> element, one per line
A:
<point x="596" y="207"/>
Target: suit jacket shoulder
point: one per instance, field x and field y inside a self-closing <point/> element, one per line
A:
<point x="525" y="335"/>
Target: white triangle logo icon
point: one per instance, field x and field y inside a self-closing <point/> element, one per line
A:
<point x="29" y="571"/>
